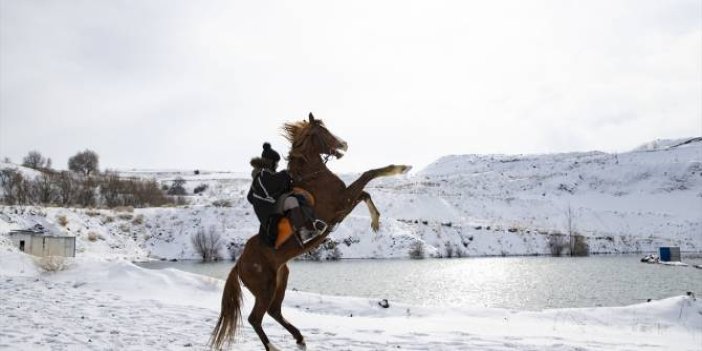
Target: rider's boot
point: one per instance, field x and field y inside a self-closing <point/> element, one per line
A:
<point x="305" y="229"/>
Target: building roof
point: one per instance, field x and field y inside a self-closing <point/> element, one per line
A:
<point x="38" y="230"/>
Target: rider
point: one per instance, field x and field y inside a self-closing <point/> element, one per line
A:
<point x="271" y="195"/>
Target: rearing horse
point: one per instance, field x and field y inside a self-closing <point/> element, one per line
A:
<point x="262" y="269"/>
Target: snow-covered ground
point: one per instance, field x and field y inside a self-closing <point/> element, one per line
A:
<point x="468" y="205"/>
<point x="114" y="305"/>
<point x="471" y="205"/>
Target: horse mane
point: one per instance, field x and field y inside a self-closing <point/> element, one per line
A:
<point x="298" y="134"/>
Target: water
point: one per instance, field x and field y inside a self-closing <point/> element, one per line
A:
<point x="526" y="283"/>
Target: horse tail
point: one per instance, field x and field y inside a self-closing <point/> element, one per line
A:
<point x="230" y="315"/>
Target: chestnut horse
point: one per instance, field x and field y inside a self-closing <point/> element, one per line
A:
<point x="262" y="269"/>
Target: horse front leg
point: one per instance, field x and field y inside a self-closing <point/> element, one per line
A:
<point x="375" y="215"/>
<point x="354" y="193"/>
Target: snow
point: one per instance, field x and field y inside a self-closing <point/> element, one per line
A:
<point x="106" y="304"/>
<point x="475" y="205"/>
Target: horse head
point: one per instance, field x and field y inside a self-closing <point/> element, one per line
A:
<point x="312" y="137"/>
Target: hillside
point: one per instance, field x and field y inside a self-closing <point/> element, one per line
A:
<point x="462" y="205"/>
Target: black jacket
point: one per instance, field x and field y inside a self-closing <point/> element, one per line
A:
<point x="265" y="192"/>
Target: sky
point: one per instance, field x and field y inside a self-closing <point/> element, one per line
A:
<point x="202" y="84"/>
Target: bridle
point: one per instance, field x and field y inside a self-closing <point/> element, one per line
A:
<point x="325" y="159"/>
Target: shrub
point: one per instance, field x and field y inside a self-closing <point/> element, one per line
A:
<point x="329" y="250"/>
<point x="556" y="244"/>
<point x="222" y="203"/>
<point x="234" y="248"/>
<point x="416" y="250"/>
<point x="125" y="216"/>
<point x="108" y="219"/>
<point x="62" y="220"/>
<point x="331" y="247"/>
<point x="579" y="246"/>
<point x="138" y="220"/>
<point x="177" y="187"/>
<point x="200" y="188"/>
<point x="92" y="236"/>
<point x="128" y="209"/>
<point x="52" y="264"/>
<point x="207" y="244"/>
<point x="448" y="248"/>
<point x="92" y="213"/>
<point x="312" y="255"/>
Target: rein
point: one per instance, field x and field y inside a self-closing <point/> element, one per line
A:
<point x="311" y="174"/>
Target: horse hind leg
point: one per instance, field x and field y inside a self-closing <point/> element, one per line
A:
<point x="274" y="310"/>
<point x="256" y="318"/>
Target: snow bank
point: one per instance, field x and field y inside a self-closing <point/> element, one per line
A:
<point x="117" y="305"/>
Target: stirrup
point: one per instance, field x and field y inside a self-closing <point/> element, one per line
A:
<point x="320" y="226"/>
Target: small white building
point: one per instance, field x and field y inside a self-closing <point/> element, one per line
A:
<point x="38" y="242"/>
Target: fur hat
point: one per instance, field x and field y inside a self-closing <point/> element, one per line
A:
<point x="269" y="154"/>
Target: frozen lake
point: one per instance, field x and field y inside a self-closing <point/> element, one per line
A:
<point x="525" y="283"/>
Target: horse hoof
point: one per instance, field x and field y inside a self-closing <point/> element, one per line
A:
<point x="301" y="346"/>
<point x="400" y="169"/>
<point x="270" y="347"/>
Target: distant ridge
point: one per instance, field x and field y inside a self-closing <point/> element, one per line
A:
<point x="663" y="144"/>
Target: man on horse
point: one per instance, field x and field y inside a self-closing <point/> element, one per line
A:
<point x="273" y="198"/>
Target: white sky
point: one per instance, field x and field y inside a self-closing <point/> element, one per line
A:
<point x="201" y="84"/>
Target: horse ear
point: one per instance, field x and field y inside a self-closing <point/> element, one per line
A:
<point x="311" y="118"/>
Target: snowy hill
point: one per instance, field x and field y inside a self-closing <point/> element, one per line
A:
<point x="463" y="205"/>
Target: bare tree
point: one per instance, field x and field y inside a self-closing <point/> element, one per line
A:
<point x="577" y="243"/>
<point x="44" y="189"/>
<point x="111" y="189"/>
<point x="86" y="193"/>
<point x="15" y="187"/>
<point x="150" y="194"/>
<point x="67" y="188"/>
<point x="570" y="228"/>
<point x="8" y="179"/>
<point x="207" y="244"/>
<point x="85" y="162"/>
<point x="35" y="160"/>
